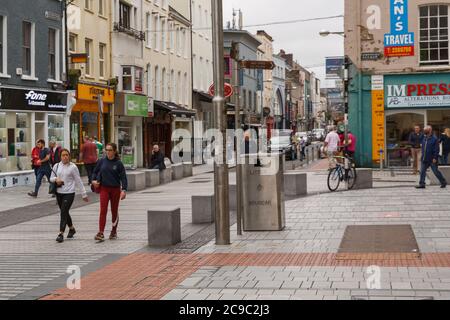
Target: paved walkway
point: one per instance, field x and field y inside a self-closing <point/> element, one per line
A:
<point x="297" y="263"/>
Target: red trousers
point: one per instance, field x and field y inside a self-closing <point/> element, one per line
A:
<point x="109" y="194"/>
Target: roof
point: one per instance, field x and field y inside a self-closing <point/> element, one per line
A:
<point x="174" y="108"/>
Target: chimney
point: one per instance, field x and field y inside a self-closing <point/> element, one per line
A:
<point x="241" y="20"/>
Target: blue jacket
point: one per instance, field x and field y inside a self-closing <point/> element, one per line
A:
<point x="430" y="149"/>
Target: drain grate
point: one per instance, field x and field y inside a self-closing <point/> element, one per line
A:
<point x="394" y="242"/>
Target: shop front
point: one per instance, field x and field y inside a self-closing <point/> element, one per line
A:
<point x="131" y="109"/>
<point x="27" y="115"/>
<point x="90" y="117"/>
<point x="410" y="100"/>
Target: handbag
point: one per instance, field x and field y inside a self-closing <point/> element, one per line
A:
<point x="53" y="187"/>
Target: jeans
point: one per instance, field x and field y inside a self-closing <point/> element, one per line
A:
<point x="90" y="170"/>
<point x="435" y="169"/>
<point x="65" y="202"/>
<point x="444" y="159"/>
<point x="41" y="174"/>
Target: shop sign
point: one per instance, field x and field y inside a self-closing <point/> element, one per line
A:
<point x="371" y="56"/>
<point x="136" y="106"/>
<point x="400" y="42"/>
<point x="128" y="157"/>
<point x="418" y="95"/>
<point x="334" y="67"/>
<point x="32" y="100"/>
<point x="378" y="115"/>
<point x="90" y="93"/>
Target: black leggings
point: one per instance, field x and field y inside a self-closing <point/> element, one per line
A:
<point x="65" y="202"/>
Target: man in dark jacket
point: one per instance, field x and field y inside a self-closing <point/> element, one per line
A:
<point x="157" y="159"/>
<point x="430" y="157"/>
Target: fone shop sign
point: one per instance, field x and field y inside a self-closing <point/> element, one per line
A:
<point x="418" y="95"/>
<point x="400" y="42"/>
<point x="33" y="100"/>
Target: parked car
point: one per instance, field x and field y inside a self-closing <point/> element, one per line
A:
<point x="319" y="134"/>
<point x="282" y="143"/>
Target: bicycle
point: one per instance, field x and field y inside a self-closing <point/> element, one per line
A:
<point x="340" y="173"/>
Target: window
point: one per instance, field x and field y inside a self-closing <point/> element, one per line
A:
<point x="51" y="53"/>
<point x="127" y="79"/>
<point x="184" y="42"/>
<point x="72" y="43"/>
<point x="87" y="49"/>
<point x="178" y="41"/>
<point x="149" y="81"/>
<point x="101" y="7"/>
<point x="2" y="44"/>
<point x="26" y="48"/>
<point x="148" y="38"/>
<point x="157" y="92"/>
<point x="163" y="85"/>
<point x="175" y="88"/>
<point x="155" y="34"/>
<point x="186" y="91"/>
<point x="180" y="87"/>
<point x="101" y="59"/>
<point x="172" y="38"/>
<point x="434" y="41"/>
<point x="124" y="15"/>
<point x="163" y="35"/>
<point x="138" y="75"/>
<point x="245" y="98"/>
<point x="88" y="4"/>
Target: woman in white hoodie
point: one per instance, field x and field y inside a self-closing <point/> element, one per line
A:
<point x="66" y="176"/>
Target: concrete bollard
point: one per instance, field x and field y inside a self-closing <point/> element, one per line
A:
<point x="164" y="227"/>
<point x="187" y="169"/>
<point x="151" y="178"/>
<point x="165" y="176"/>
<point x="177" y="171"/>
<point x="364" y="179"/>
<point x="203" y="209"/>
<point x="136" y="180"/>
<point x="295" y="184"/>
<point x="445" y="172"/>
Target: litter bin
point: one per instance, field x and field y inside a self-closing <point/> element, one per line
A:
<point x="265" y="207"/>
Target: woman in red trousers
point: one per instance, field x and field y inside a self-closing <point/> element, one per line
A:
<point x="110" y="177"/>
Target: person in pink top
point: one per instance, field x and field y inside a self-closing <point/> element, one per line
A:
<point x="89" y="157"/>
<point x="351" y="147"/>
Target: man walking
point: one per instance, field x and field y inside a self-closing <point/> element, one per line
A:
<point x="415" y="139"/>
<point x="430" y="157"/>
<point x="89" y="157"/>
<point x="331" y="145"/>
<point x="44" y="169"/>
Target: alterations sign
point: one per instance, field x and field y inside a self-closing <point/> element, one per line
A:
<point x="400" y="42"/>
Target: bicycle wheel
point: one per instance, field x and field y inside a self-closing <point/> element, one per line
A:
<point x="351" y="178"/>
<point x="334" y="179"/>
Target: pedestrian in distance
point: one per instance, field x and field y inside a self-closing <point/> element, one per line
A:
<point x="445" y="142"/>
<point x="111" y="179"/>
<point x="55" y="153"/>
<point x="415" y="140"/>
<point x="430" y="158"/>
<point x="157" y="159"/>
<point x="89" y="157"/>
<point x="44" y="167"/>
<point x="67" y="178"/>
<point x="331" y="146"/>
<point x="35" y="161"/>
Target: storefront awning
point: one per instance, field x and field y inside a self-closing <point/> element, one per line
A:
<point x="173" y="108"/>
<point x="203" y="96"/>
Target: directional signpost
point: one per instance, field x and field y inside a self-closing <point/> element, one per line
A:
<point x="257" y="64"/>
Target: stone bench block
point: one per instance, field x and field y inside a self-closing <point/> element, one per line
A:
<point x="187" y="169"/>
<point x="151" y="178"/>
<point x="136" y="180"/>
<point x="445" y="171"/>
<point x="164" y="227"/>
<point x="203" y="209"/>
<point x="364" y="179"/>
<point x="295" y="184"/>
<point x="165" y="176"/>
<point x="177" y="171"/>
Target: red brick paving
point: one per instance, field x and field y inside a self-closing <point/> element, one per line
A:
<point x="152" y="276"/>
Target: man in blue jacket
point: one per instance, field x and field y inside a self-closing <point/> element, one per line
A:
<point x="430" y="157"/>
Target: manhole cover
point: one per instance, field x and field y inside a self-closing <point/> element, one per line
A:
<point x="393" y="242"/>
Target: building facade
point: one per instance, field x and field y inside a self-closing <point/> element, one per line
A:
<point x="33" y="100"/>
<point x="400" y="73"/>
<point x="267" y="55"/>
<point x="281" y="109"/>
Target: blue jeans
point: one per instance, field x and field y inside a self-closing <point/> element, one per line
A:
<point x="444" y="159"/>
<point x="41" y="174"/>
<point x="435" y="169"/>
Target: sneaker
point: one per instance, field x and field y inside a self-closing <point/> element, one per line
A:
<point x="443" y="186"/>
<point x="71" y="233"/>
<point x="100" y="237"/>
<point x="113" y="235"/>
<point x="60" y="238"/>
<point x="32" y="194"/>
<point x="420" y="187"/>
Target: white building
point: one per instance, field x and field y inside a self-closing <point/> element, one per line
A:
<point x="279" y="92"/>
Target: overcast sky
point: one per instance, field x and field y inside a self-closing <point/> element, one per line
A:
<point x="302" y="39"/>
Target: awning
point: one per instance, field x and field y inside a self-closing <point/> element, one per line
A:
<point x="174" y="108"/>
<point x="203" y="96"/>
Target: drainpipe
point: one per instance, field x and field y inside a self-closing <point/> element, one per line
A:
<point x="360" y="82"/>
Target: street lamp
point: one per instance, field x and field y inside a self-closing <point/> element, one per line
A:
<point x="326" y="33"/>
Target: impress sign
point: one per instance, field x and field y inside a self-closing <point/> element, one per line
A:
<point x="400" y="42"/>
<point x="418" y="95"/>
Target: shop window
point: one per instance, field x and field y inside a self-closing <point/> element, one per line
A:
<point x="56" y="128"/>
<point x="132" y="78"/>
<point x="434" y="40"/>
